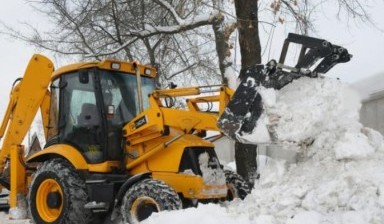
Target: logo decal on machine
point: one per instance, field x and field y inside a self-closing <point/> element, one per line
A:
<point x="140" y="122"/>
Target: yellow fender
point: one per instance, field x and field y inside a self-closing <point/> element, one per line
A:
<point x="68" y="152"/>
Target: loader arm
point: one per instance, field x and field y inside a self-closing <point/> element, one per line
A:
<point x="30" y="93"/>
<point x="242" y="112"/>
<point x="155" y="121"/>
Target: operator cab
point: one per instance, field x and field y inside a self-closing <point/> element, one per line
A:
<point x="90" y="106"/>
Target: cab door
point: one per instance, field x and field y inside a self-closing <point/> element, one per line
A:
<point x="81" y="123"/>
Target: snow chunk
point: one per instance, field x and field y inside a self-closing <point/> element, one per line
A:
<point x="211" y="176"/>
<point x="375" y="139"/>
<point x="268" y="95"/>
<point x="353" y="146"/>
<point x="260" y="134"/>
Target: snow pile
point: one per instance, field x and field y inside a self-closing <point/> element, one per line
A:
<point x="339" y="178"/>
<point x="210" y="176"/>
<point x="305" y="108"/>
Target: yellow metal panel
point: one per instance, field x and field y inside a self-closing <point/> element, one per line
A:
<point x="153" y="127"/>
<point x="18" y="181"/>
<point x="44" y="109"/>
<point x="142" y="158"/>
<point x="145" y="135"/>
<point x="10" y="107"/>
<point x="153" y="120"/>
<point x="68" y="152"/>
<point x="74" y="157"/>
<point x="105" y="167"/>
<point x="125" y="66"/>
<point x="191" y="186"/>
<point x="154" y="156"/>
<point x="169" y="158"/>
<point x="139" y="169"/>
<point x="72" y="67"/>
<point x="188" y="91"/>
<point x="188" y="120"/>
<point x="225" y="95"/>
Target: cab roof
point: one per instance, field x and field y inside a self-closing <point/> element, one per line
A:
<point x="108" y="64"/>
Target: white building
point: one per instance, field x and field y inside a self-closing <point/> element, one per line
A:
<point x="371" y="90"/>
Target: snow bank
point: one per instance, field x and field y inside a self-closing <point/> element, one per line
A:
<point x="305" y="108"/>
<point x="338" y="179"/>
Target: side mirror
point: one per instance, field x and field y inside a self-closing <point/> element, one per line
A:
<point x="83" y="76"/>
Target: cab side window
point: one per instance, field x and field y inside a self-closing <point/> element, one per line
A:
<point x="53" y="125"/>
<point x="81" y="118"/>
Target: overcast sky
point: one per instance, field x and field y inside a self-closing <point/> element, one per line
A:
<point x="364" y="42"/>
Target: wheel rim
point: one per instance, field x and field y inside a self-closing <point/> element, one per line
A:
<point x="143" y="207"/>
<point x="49" y="210"/>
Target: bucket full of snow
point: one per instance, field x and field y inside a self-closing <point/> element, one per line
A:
<point x="302" y="110"/>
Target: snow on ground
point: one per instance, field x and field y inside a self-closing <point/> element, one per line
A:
<point x="339" y="176"/>
<point x="4" y="219"/>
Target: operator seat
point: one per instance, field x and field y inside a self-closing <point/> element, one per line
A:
<point x="88" y="131"/>
<point x="89" y="116"/>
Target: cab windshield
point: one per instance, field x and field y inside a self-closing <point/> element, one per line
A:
<point x="120" y="93"/>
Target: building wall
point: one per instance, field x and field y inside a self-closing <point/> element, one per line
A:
<point x="371" y="91"/>
<point x="372" y="113"/>
<point x="225" y="149"/>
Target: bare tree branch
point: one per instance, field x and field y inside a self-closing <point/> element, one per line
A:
<point x="181" y="71"/>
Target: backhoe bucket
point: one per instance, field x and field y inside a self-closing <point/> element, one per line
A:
<point x="243" y="111"/>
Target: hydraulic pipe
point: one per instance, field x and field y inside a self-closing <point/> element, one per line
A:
<point x="139" y="89"/>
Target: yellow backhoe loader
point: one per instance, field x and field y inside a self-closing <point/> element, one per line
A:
<point x="116" y="147"/>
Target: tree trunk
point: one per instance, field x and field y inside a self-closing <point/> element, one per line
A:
<point x="221" y="48"/>
<point x="247" y="25"/>
<point x="246" y="165"/>
<point x="222" y="33"/>
<point x="250" y="49"/>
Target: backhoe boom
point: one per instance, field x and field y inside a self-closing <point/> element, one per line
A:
<point x="26" y="98"/>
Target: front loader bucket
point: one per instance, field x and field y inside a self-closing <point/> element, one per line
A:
<point x="243" y="111"/>
<point x="245" y="107"/>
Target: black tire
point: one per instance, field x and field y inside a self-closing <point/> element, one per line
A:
<point x="58" y="194"/>
<point x="237" y="186"/>
<point x="148" y="196"/>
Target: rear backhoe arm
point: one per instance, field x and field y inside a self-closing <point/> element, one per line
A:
<point x="27" y="96"/>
